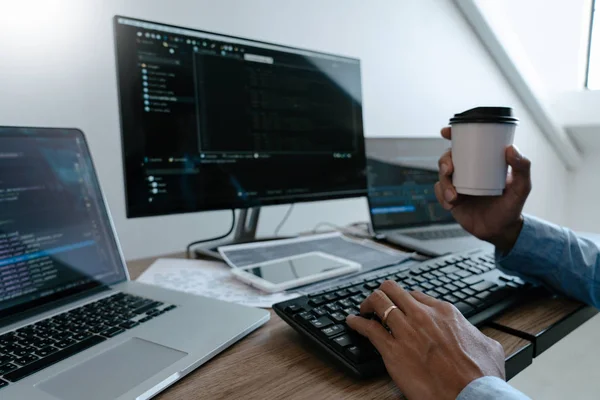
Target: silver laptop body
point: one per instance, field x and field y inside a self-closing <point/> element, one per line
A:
<point x="159" y="346"/>
<point x="402" y="204"/>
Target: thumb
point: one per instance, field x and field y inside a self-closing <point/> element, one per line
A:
<point x="521" y="172"/>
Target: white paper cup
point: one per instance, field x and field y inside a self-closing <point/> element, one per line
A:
<point x="479" y="140"/>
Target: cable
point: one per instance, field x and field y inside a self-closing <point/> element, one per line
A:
<point x="284" y="220"/>
<point x="189" y="246"/>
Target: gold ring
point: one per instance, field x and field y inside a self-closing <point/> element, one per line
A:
<point x="386" y="314"/>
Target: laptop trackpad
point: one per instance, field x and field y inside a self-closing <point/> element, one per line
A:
<point x="112" y="373"/>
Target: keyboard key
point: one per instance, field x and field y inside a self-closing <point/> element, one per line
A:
<point x="442" y="291"/>
<point x="473" y="301"/>
<point x="337" y="317"/>
<point x="293" y="309"/>
<point x="482" y="286"/>
<point x="427" y="285"/>
<point x="357" y="299"/>
<point x="304" y="316"/>
<point x="332" y="307"/>
<point x="342" y="293"/>
<point x="51" y="359"/>
<point x="65" y="343"/>
<point x="460" y="284"/>
<point x="330" y="297"/>
<point x="347" y="303"/>
<point x="333" y="330"/>
<point x="435" y="282"/>
<point x="451" y="299"/>
<point x="356" y="354"/>
<point x="111" y="332"/>
<point x="371" y="285"/>
<point x="319" y="312"/>
<point x="428" y="276"/>
<point x="82" y="336"/>
<point x="420" y="279"/>
<point x="460" y="295"/>
<point x="129" y="324"/>
<point x="5" y="359"/>
<point x="6" y="368"/>
<point x="450" y="269"/>
<point x="321" y="322"/>
<point x="317" y="301"/>
<point x="3" y="383"/>
<point x="453" y="277"/>
<point x="343" y="341"/>
<point x="444" y="279"/>
<point x="432" y="294"/>
<point x="473" y="279"/>
<point x="46" y="351"/>
<point x="463" y="273"/>
<point x="451" y="287"/>
<point x="468" y="291"/>
<point x="27" y="359"/>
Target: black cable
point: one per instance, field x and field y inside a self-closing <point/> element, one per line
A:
<point x="189" y="246"/>
<point x="283" y="221"/>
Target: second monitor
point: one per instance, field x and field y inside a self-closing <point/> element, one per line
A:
<point x="217" y="122"/>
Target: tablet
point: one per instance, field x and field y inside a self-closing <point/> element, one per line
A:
<point x="290" y="272"/>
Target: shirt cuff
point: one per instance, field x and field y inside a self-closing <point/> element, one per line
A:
<point x="488" y="388"/>
<point x="536" y="250"/>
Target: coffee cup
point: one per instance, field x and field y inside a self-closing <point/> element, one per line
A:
<point x="480" y="137"/>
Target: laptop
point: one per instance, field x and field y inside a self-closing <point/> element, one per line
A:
<point x="403" y="207"/>
<point x="72" y="324"/>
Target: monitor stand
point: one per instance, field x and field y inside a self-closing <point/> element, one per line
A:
<point x="245" y="232"/>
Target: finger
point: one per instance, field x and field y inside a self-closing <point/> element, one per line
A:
<point x="378" y="302"/>
<point x="447" y="133"/>
<point x="439" y="194"/>
<point x="445" y="164"/>
<point x="448" y="191"/>
<point x="520" y="181"/>
<point x="423" y="298"/>
<point x="372" y="330"/>
<point x="399" y="297"/>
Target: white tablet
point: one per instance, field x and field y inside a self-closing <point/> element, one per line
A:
<point x="286" y="273"/>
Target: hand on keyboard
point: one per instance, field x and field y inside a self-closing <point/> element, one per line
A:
<point x="429" y="349"/>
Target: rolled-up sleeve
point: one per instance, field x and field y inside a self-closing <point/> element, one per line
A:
<point x="556" y="257"/>
<point x="488" y="388"/>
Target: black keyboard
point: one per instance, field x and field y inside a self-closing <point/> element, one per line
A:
<point x="436" y="235"/>
<point x="34" y="347"/>
<point x="471" y="282"/>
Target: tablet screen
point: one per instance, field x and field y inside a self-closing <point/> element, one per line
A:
<point x="293" y="269"/>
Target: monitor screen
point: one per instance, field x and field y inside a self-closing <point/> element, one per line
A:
<point x="402" y="174"/>
<point x="212" y="122"/>
<point x="56" y="238"/>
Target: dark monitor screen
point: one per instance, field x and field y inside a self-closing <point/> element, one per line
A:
<point x="402" y="174"/>
<point x="212" y="121"/>
<point x="56" y="238"/>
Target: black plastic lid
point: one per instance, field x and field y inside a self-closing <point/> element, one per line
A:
<point x="486" y="115"/>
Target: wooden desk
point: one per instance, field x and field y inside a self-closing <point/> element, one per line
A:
<point x="544" y="320"/>
<point x="276" y="362"/>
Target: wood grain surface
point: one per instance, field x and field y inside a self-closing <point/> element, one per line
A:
<point x="537" y="315"/>
<point x="275" y="362"/>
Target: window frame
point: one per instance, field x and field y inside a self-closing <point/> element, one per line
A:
<point x="589" y="47"/>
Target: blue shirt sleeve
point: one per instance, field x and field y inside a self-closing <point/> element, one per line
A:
<point x="556" y="257"/>
<point x="488" y="388"/>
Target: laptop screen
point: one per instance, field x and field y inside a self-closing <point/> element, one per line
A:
<point x="56" y="238"/>
<point x="402" y="174"/>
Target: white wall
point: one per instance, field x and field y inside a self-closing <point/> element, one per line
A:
<point x="421" y="63"/>
<point x="553" y="35"/>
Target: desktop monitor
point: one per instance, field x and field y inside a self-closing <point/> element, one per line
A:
<point x="211" y="121"/>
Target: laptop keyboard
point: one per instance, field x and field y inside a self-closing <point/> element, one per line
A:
<point x="471" y="283"/>
<point x="34" y="347"/>
<point x="437" y="235"/>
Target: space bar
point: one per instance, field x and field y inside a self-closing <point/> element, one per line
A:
<point x="53" y="359"/>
